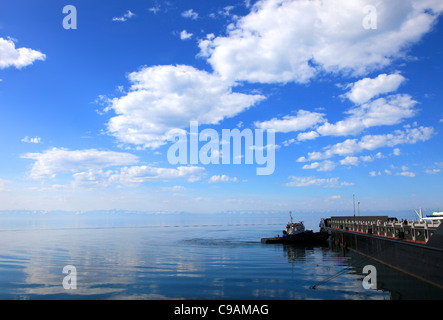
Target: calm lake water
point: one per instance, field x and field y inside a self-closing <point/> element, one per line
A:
<point x="182" y="258"/>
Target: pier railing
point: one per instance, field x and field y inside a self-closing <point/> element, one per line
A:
<point x="420" y="231"/>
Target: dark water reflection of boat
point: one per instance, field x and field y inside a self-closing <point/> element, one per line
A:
<point x="399" y="285"/>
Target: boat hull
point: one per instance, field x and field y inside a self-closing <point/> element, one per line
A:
<point x="419" y="260"/>
<point x="300" y="238"/>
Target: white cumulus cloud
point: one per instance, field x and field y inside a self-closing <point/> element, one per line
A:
<point x="19" y="58"/>
<point x="380" y="112"/>
<point x="191" y="14"/>
<point x="365" y="89"/>
<point x="221" y="178"/>
<point x="283" y="41"/>
<point x="350" y="161"/>
<point x="326" y="165"/>
<point x="32" y="140"/>
<point x="125" y="17"/>
<point x="135" y="175"/>
<point x="313" y="181"/>
<point x="165" y="98"/>
<point x="371" y="142"/>
<point x="184" y="35"/>
<point x="60" y="160"/>
<point x="302" y="121"/>
<point x="140" y="174"/>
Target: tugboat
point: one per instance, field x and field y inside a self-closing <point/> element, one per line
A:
<point x="296" y="233"/>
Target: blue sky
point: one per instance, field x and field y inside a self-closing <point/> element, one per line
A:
<point x="86" y="113"/>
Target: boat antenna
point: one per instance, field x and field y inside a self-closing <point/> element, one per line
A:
<point x="290" y="215"/>
<point x="354" y="203"/>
